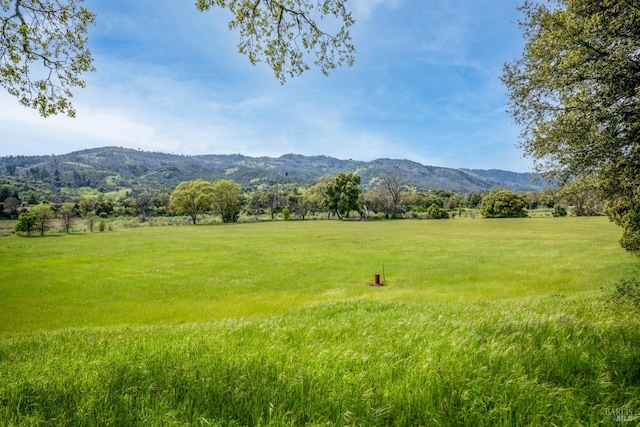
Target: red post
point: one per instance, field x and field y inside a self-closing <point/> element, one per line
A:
<point x="377" y="279"/>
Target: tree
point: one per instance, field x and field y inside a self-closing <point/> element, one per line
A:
<point x="298" y="203"/>
<point x="192" y="198"/>
<point x="67" y="212"/>
<point x="26" y="222"/>
<point x="12" y="204"/>
<point x="143" y="204"/>
<point x="86" y="206"/>
<point x="575" y="92"/>
<point x="532" y="200"/>
<point x="452" y="202"/>
<point x="413" y="201"/>
<point x="318" y="198"/>
<point x="226" y="199"/>
<point x="91" y="221"/>
<point x="343" y="194"/>
<point x="160" y="203"/>
<point x="547" y="197"/>
<point x="43" y="43"/>
<point x="503" y="204"/>
<point x="44" y="214"/>
<point x="391" y="187"/>
<point x="472" y="200"/>
<point x="375" y="200"/>
<point x="286" y="214"/>
<point x="10" y="168"/>
<point x="582" y="194"/>
<point x="43" y="52"/>
<point x="7" y="191"/>
<point x="435" y="197"/>
<point x="273" y="200"/>
<point x="57" y="181"/>
<point x="103" y="208"/>
<point x="255" y="204"/>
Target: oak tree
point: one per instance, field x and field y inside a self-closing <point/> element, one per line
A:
<point x="26" y="222"/>
<point x="318" y="200"/>
<point x="67" y="213"/>
<point x="500" y="203"/>
<point x="582" y="194"/>
<point x="255" y="204"/>
<point x="226" y="199"/>
<point x="192" y="198"/>
<point x="576" y="94"/>
<point x="11" y="205"/>
<point x="343" y="194"/>
<point x="44" y="214"/>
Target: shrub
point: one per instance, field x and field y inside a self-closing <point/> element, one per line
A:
<point x="436" y="212"/>
<point x="559" y="210"/>
<point x="625" y="294"/>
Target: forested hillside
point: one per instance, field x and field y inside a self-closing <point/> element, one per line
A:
<point x="112" y="168"/>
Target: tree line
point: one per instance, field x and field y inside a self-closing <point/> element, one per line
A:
<point x="573" y="92"/>
<point x="333" y="196"/>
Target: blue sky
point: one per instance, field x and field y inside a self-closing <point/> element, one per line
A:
<point x="425" y="87"/>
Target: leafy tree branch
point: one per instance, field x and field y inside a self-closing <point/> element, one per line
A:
<point x="281" y="33"/>
<point x="43" y="52"/>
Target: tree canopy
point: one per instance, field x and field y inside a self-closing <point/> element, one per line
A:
<point x="26" y="222"/>
<point x="226" y="199"/>
<point x="192" y="198"/>
<point x="501" y="203"/>
<point x="343" y="194"/>
<point x="576" y="94"/>
<point x="44" y="214"/>
<point x="44" y="53"/>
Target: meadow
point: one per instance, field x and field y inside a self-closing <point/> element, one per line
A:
<point x="480" y="322"/>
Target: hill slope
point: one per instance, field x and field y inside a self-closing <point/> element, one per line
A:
<point x="111" y="167"/>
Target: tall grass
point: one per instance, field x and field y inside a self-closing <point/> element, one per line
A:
<point x="544" y="362"/>
<point x="481" y="323"/>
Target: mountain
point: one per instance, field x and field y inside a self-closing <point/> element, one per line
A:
<point x="109" y="168"/>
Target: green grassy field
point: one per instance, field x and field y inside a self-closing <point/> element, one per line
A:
<point x="481" y="322"/>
